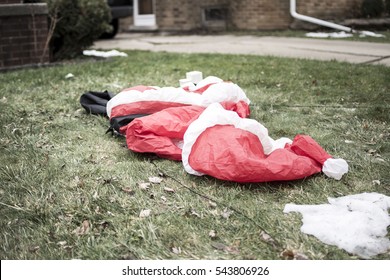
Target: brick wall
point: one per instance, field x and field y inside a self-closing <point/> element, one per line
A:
<point x="10" y="1"/>
<point x="250" y="14"/>
<point x="260" y="14"/>
<point x="175" y="15"/>
<point x="184" y="15"/>
<point x="330" y="9"/>
<point x="23" y="34"/>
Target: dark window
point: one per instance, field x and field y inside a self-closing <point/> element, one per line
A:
<point x="212" y="14"/>
<point x="145" y="7"/>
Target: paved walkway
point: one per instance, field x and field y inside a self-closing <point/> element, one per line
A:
<point x="319" y="49"/>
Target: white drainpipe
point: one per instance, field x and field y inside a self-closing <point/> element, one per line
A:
<point x="294" y="14"/>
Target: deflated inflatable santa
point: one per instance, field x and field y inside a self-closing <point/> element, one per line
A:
<point x="205" y="126"/>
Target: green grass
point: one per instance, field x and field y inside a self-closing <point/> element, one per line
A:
<point x="58" y="168"/>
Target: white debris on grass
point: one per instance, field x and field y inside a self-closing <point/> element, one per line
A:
<point x="341" y="34"/>
<point x="355" y="223"/>
<point x="69" y="76"/>
<point x="370" y="34"/>
<point x="105" y="54"/>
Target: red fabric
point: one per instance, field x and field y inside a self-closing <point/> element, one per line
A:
<point x="304" y="145"/>
<point x="142" y="107"/>
<point x="150" y="107"/>
<point x="241" y="108"/>
<point x="221" y="151"/>
<point x="159" y="133"/>
<point x="232" y="154"/>
<point x="140" y="88"/>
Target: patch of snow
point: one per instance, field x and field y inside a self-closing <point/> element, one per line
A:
<point x="341" y="34"/>
<point x="69" y="76"/>
<point x="105" y="54"/>
<point x="355" y="223"/>
<point x="370" y="34"/>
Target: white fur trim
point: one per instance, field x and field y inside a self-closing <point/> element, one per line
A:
<point x="215" y="114"/>
<point x="218" y="92"/>
<point x="335" y="168"/>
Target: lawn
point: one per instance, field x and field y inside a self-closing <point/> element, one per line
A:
<point x="70" y="191"/>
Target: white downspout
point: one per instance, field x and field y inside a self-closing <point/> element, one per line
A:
<point x="294" y="14"/>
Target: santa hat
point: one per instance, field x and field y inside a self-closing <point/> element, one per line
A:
<point x="332" y="167"/>
<point x="221" y="144"/>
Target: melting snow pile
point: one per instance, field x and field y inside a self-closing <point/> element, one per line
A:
<point x="355" y="223"/>
<point x="105" y="54"/>
<point x="343" y="34"/>
<point x="371" y="34"/>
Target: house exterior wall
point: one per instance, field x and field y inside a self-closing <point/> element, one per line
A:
<point x="186" y="15"/>
<point x="23" y="34"/>
<point x="10" y="1"/>
<point x="330" y="9"/>
<point x="260" y="14"/>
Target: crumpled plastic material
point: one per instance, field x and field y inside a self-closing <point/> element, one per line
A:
<point x="356" y="223"/>
<point x="146" y="100"/>
<point x="223" y="145"/>
<point x="205" y="126"/>
<point x="162" y="133"/>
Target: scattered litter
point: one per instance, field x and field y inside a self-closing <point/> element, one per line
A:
<point x="355" y="223"/>
<point x="145" y="213"/>
<point x="226" y="213"/>
<point x="176" y="250"/>
<point x="155" y="180"/>
<point x="376" y="182"/>
<point x="370" y="34"/>
<point x="212" y="234"/>
<point x="69" y="76"/>
<point x="105" y="54"/>
<point x="169" y="190"/>
<point x="110" y="214"/>
<point x="348" y="142"/>
<point x="212" y="204"/>
<point x="341" y="34"/>
<point x="144" y="186"/>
